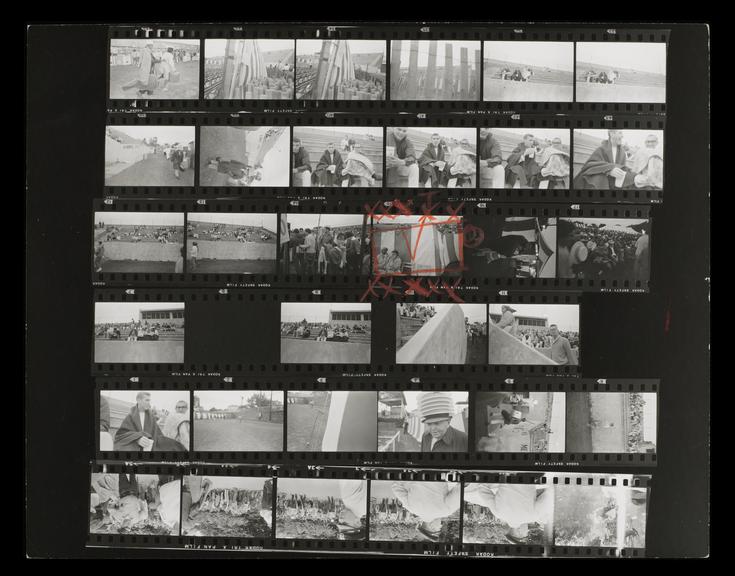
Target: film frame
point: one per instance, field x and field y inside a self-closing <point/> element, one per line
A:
<point x="517" y="124"/>
<point x="390" y="33"/>
<point x="618" y="390"/>
<point x="478" y="218"/>
<point x="379" y="299"/>
<point x="368" y="476"/>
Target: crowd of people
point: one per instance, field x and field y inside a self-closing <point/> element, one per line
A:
<point x="444" y="162"/>
<point x="218" y="232"/>
<point x="414" y="310"/>
<point x="133" y="331"/>
<point x="589" y="251"/>
<point x="143" y="234"/>
<point x="635" y="426"/>
<point x="322" y="331"/>
<point x="320" y="250"/>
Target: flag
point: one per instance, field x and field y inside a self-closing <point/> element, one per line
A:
<point x="247" y="65"/>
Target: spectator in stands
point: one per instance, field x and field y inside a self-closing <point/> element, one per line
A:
<point x="330" y="166"/>
<point x="432" y="163"/>
<point x="561" y="350"/>
<point x="402" y="162"/>
<point x="383" y="258"/>
<point x="606" y="169"/>
<point x="508" y="322"/>
<point x="521" y="166"/>
<point x="491" y="159"/>
<point x="301" y="164"/>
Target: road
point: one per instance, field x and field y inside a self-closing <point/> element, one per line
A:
<point x="153" y="171"/>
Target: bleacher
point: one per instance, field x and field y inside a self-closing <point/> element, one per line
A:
<point x="315" y="142"/>
<point x="355" y="337"/>
<point x="409" y="327"/>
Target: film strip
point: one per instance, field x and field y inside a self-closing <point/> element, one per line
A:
<point x="389" y="68"/>
<point x="515" y="158"/>
<point x="416" y="511"/>
<point x="527" y="422"/>
<point x="229" y="332"/>
<point x="474" y="246"/>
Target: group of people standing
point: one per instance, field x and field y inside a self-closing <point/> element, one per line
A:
<point x="155" y="70"/>
<point x="321" y="251"/>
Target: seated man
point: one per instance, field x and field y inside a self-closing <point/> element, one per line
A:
<point x="301" y="166"/>
<point x="554" y="163"/>
<point x="383" y="259"/>
<point x="394" y="265"/>
<point x="491" y="161"/>
<point x="522" y="168"/>
<point x="432" y="164"/>
<point x="606" y="168"/>
<point x="647" y="164"/>
<point x="400" y="158"/>
<point x="330" y="166"/>
<point x="462" y="166"/>
<point x="359" y="170"/>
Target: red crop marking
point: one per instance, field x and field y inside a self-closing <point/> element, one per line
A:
<point x="370" y="210"/>
<point x="417" y="286"/>
<point x="378" y="284"/>
<point x="472" y="236"/>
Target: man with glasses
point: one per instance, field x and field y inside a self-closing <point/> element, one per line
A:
<point x="400" y="159"/>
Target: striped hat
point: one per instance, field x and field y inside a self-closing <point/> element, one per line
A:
<point x="435" y="406"/>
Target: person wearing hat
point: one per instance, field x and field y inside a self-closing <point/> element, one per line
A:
<point x="432" y="502"/>
<point x="437" y="410"/>
<point x="508" y="323"/>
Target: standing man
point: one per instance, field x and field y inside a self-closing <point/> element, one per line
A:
<point x="147" y="61"/>
<point x="138" y="431"/>
<point x="301" y="164"/>
<point x="308" y="248"/>
<point x="437" y="410"/>
<point x="353" y="253"/>
<point x="193" y="255"/>
<point x="402" y="162"/>
<point x="99" y="255"/>
<point x="561" y="350"/>
<point x="641" y="264"/>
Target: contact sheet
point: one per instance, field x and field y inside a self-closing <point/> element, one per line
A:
<point x="529" y="422"/>
<point x="345" y="281"/>
<point x="372" y="510"/>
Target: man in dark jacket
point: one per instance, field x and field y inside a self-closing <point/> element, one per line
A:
<point x="301" y="164"/>
<point x="139" y="430"/>
<point x="522" y="166"/>
<point x="403" y="160"/>
<point x="432" y="163"/>
<point x="606" y="169"/>
<point x="329" y="168"/>
<point x="491" y="161"/>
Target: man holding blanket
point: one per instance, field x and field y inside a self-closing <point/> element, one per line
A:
<point x="606" y="168"/>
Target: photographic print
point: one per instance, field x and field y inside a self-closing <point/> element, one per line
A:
<point x="423" y="511"/>
<point x="154" y="69"/>
<point x="430" y="157"/>
<point x="244" y="156"/>
<point x="331" y="421"/>
<point x="238" y="421"/>
<point x="423" y="421"/>
<point x="513" y="247"/>
<point x="519" y="421"/>
<point x="434" y="70"/>
<point x="144" y="421"/>
<point x="535" y="158"/>
<point x="604" y="249"/>
<point x="231" y="243"/>
<point x="528" y="72"/>
<point x="611" y="422"/>
<point x="337" y="156"/>
<point x="325" y="333"/>
<point x="340" y="69"/>
<point x="138" y="242"/>
<point x="139" y="504"/>
<point x="321" y="509"/>
<point x="441" y="333"/>
<point x="618" y="159"/>
<point x="227" y="506"/>
<point x="324" y="244"/>
<point x="417" y="246"/>
<point x="149" y="155"/>
<point x="621" y="72"/>
<point x="248" y="69"/>
<point x="135" y="333"/>
<point x="534" y="334"/>
<point x="504" y="513"/>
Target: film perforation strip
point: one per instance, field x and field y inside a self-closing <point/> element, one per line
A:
<point x="391" y="67"/>
<point x="483" y="248"/>
<point x="343" y="509"/>
<point x="508" y="423"/>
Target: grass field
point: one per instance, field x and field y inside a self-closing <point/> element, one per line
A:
<point x="306" y="424"/>
<point x="295" y="351"/>
<point x="235" y="435"/>
<point x="148" y="352"/>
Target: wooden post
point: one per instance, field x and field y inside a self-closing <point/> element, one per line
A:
<point x="229" y="69"/>
<point x="448" y="71"/>
<point x="322" y="69"/>
<point x="430" y="87"/>
<point x="464" y="70"/>
<point x="395" y="68"/>
<point x="476" y="77"/>
<point x="413" y="71"/>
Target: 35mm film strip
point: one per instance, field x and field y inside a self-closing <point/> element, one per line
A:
<point x="547" y="158"/>
<point x="389" y="68"/>
<point x="588" y="422"/>
<point x="476" y="246"/>
<point x="230" y="332"/>
<point x="369" y="510"/>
